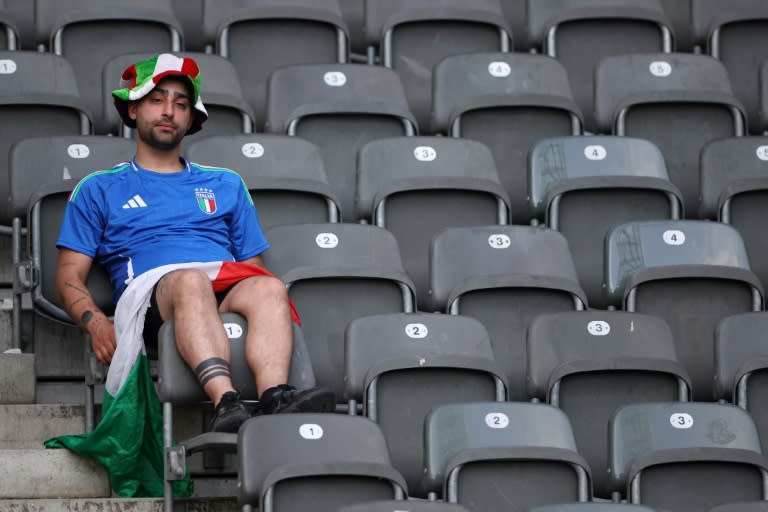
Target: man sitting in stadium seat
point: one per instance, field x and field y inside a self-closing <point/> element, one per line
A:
<point x="169" y="233"/>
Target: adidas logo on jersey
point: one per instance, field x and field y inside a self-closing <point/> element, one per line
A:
<point x="135" y="202"/>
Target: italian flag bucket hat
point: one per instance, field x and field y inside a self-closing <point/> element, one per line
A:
<point x="139" y="79"/>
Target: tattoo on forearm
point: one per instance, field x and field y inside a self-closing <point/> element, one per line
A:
<point x="70" y="285"/>
<point x="78" y="300"/>
<point x="86" y="317"/>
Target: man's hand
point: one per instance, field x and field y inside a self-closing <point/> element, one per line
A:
<point x="102" y="333"/>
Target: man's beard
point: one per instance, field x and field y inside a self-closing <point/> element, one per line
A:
<point x="148" y="137"/>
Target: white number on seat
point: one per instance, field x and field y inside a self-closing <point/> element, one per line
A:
<point x="326" y="240"/>
<point x="7" y="67"/>
<point x="681" y="420"/>
<point x="234" y="331"/>
<point x="311" y="431"/>
<point x="425" y="153"/>
<point x="595" y="152"/>
<point x="674" y="237"/>
<point x="598" y="328"/>
<point x="497" y="420"/>
<point x="416" y="331"/>
<point x="78" y="151"/>
<point x="499" y="69"/>
<point x="660" y="68"/>
<point x="253" y="150"/>
<point x="335" y="78"/>
<point x="762" y="153"/>
<point x="499" y="241"/>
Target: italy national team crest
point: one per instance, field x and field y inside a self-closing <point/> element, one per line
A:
<point x="206" y="200"/>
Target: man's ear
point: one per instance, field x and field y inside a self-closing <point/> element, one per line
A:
<point x="132" y="106"/>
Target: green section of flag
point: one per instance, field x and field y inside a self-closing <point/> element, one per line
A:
<point x="128" y="441"/>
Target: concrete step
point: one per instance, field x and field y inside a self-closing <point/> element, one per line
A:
<point x="26" y="426"/>
<point x="118" y="505"/>
<point x="17" y="378"/>
<point x="46" y="474"/>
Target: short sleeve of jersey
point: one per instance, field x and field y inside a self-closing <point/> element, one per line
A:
<point x="246" y="235"/>
<point x="82" y="227"/>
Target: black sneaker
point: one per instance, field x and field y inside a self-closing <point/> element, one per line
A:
<point x="285" y="398"/>
<point x="229" y="414"/>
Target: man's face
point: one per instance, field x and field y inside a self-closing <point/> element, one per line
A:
<point x="164" y="115"/>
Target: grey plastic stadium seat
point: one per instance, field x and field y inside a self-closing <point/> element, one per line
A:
<point x="741" y="365"/>
<point x="592" y="507"/>
<point x="679" y="14"/>
<point x="734" y="189"/>
<point x="339" y="108"/>
<point x="38" y="97"/>
<point x="583" y="186"/>
<point x="677" y="101"/>
<point x="690" y="273"/>
<point x="228" y="112"/>
<point x="737" y="36"/>
<point x="503" y="276"/>
<point x="482" y="454"/>
<point x="403" y="365"/>
<point x="285" y="175"/>
<point x="417" y="186"/>
<point x="9" y="38"/>
<point x="415" y="35"/>
<point x="515" y="14"/>
<point x="334" y="274"/>
<point x="178" y="386"/>
<point x="353" y="12"/>
<point x="299" y="462"/>
<point x="90" y="33"/>
<point x="405" y="506"/>
<point x="686" y="456"/>
<point x="282" y="32"/>
<point x="590" y="363"/>
<point x="508" y="102"/>
<point x="190" y="15"/>
<point x="579" y="33"/>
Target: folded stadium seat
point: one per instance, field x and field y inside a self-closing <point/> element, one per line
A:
<point x="503" y="276"/>
<point x="44" y="171"/>
<point x="691" y="274"/>
<point x="685" y="456"/>
<point x="334" y="274"/>
<point x="405" y="506"/>
<point x="741" y="365"/>
<point x="583" y="186"/>
<point x="401" y="366"/>
<point x="9" y="40"/>
<point x="679" y="14"/>
<point x="90" y="33"/>
<point x="744" y="506"/>
<point x="38" y="97"/>
<point x="178" y="386"/>
<point x="228" y="112"/>
<point x="415" y="35"/>
<point x="281" y="32"/>
<point x="677" y="101"/>
<point x="285" y="175"/>
<point x="339" y="108"/>
<point x="591" y="363"/>
<point x="594" y="506"/>
<point x="508" y="102"/>
<point x="300" y="462"/>
<point x="417" y="186"/>
<point x="734" y="189"/>
<point x="738" y="37"/>
<point x="494" y="457"/>
<point x="579" y="33"/>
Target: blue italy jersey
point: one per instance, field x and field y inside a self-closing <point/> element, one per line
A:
<point x="131" y="220"/>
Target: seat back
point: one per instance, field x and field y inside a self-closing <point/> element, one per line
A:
<point x="685" y="455"/>
<point x="89" y="33"/>
<point x="503" y="276"/>
<point x="583" y="186"/>
<point x="336" y="273"/>
<point x="285" y="32"/>
<point x="591" y="363"/>
<point x="339" y="108"/>
<point x="293" y="462"/>
<point x="415" y="362"/>
<point x="415" y="35"/>
<point x="285" y="175"/>
<point x="482" y="453"/>
<point x="677" y="101"/>
<point x="581" y="33"/>
<point x="508" y="102"/>
<point x="692" y="274"/>
<point x="737" y="37"/>
<point x="417" y="186"/>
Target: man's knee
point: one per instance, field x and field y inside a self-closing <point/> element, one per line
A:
<point x="184" y="283"/>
